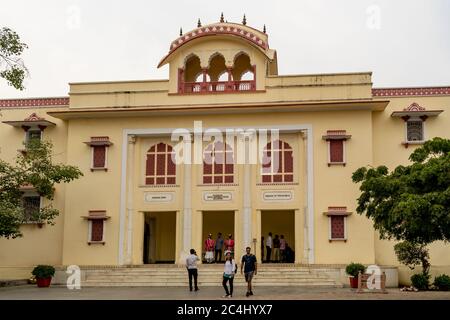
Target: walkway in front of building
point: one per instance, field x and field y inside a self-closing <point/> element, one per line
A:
<point x="31" y="292"/>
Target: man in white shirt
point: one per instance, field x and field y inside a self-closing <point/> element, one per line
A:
<point x="191" y="266"/>
<point x="269" y="245"/>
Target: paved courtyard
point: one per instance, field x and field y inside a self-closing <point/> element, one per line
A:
<point x="31" y="292"/>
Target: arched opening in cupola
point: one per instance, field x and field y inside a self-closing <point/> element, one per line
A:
<point x="192" y="68"/>
<point x="241" y="66"/>
<point x="217" y="67"/>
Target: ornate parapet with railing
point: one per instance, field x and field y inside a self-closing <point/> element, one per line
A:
<point x="218" y="86"/>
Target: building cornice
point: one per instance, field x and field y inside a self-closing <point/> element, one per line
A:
<point x="294" y="106"/>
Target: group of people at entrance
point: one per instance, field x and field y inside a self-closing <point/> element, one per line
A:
<point x="214" y="249"/>
<point x="276" y="249"/>
<point x="248" y="268"/>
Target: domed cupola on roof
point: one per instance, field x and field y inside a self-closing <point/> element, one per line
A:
<point x="222" y="57"/>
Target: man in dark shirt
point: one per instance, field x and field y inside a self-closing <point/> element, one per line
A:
<point x="250" y="269"/>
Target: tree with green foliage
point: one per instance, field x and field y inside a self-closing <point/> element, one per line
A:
<point x="411" y="203"/>
<point x="12" y="68"/>
<point x="33" y="167"/>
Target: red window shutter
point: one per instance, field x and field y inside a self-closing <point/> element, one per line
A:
<point x="266" y="178"/>
<point x="228" y="168"/>
<point x="336" y="150"/>
<point x="97" y="230"/>
<point x="288" y="178"/>
<point x="218" y="179"/>
<point x="170" y="180"/>
<point x="288" y="162"/>
<point x="160" y="180"/>
<point x="218" y="168"/>
<point x="207" y="179"/>
<point x="99" y="156"/>
<point x="150" y="165"/>
<point x="337" y="227"/>
<point x="161" y="147"/>
<point x="207" y="168"/>
<point x="277" y="178"/>
<point x="170" y="166"/>
<point x="228" y="179"/>
<point x="150" y="180"/>
<point x="161" y="164"/>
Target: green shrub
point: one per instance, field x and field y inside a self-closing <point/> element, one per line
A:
<point x="353" y="269"/>
<point x="420" y="281"/>
<point x="43" y="271"/>
<point x="442" y="282"/>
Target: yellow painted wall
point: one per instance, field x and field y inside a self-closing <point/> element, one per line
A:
<point x="389" y="151"/>
<point x="38" y="245"/>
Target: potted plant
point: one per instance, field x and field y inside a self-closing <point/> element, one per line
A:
<point x="43" y="275"/>
<point x="353" y="270"/>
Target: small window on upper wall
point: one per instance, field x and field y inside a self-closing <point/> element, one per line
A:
<point x="96" y="230"/>
<point x="414" y="117"/>
<point x="31" y="207"/>
<point x="33" y="134"/>
<point x="336" y="140"/>
<point x="337" y="223"/>
<point x="96" y="220"/>
<point x="99" y="152"/>
<point x="414" y="130"/>
<point x="99" y="157"/>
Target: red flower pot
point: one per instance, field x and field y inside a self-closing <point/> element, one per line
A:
<point x="43" y="282"/>
<point x="354" y="282"/>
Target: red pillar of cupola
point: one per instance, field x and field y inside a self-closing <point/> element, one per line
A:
<point x="204" y="84"/>
<point x="230" y="79"/>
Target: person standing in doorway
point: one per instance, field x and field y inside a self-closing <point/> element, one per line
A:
<point x="191" y="266"/>
<point x="209" y="248"/>
<point x="282" y="248"/>
<point x="262" y="248"/>
<point x="218" y="248"/>
<point x="229" y="245"/>
<point x="228" y="274"/>
<point x="269" y="245"/>
<point x="276" y="249"/>
<point x="250" y="269"/>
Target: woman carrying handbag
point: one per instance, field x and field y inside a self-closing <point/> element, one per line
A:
<point x="229" y="271"/>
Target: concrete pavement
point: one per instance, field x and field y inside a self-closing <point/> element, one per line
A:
<point x="31" y="292"/>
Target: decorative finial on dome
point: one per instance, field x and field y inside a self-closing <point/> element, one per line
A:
<point x="244" y="20"/>
<point x="264" y="29"/>
<point x="181" y="31"/>
<point x="221" y="18"/>
<point x="199" y="23"/>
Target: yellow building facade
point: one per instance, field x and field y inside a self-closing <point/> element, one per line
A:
<point x="151" y="151"/>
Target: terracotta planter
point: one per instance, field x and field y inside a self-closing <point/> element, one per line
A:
<point x="354" y="282"/>
<point x="43" y="282"/>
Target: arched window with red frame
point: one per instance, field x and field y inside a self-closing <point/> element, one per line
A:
<point x="278" y="162"/>
<point x="160" y="168"/>
<point x="218" y="163"/>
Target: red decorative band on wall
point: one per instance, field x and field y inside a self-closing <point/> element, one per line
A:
<point x="34" y="102"/>
<point x="399" y="92"/>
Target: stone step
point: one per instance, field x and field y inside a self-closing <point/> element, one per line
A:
<point x="165" y="279"/>
<point x="209" y="284"/>
<point x="183" y="273"/>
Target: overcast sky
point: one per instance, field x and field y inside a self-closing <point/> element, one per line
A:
<point x="404" y="43"/>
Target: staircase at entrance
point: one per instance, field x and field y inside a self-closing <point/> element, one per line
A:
<point x="209" y="275"/>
